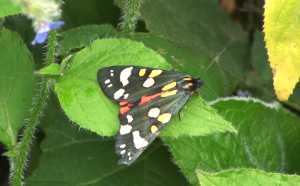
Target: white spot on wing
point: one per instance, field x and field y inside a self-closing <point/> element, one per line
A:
<point x="124" y="75"/>
<point x="154" y="112"/>
<point x="110" y="85"/>
<point x="129" y="154"/>
<point x="126" y="96"/>
<point x="129" y="118"/>
<point x="129" y="158"/>
<point x="123" y="152"/>
<point x="107" y="81"/>
<point x="111" y="74"/>
<point x="125" y="129"/>
<point x="149" y="82"/>
<point x="122" y="146"/>
<point x="119" y="93"/>
<point x="138" y="141"/>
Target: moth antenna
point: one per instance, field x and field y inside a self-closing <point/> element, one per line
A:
<point x="212" y="91"/>
<point x="212" y="62"/>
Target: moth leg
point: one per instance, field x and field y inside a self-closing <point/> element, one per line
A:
<point x="179" y="112"/>
<point x="179" y="115"/>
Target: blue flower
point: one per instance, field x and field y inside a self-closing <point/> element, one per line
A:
<point x="42" y="33"/>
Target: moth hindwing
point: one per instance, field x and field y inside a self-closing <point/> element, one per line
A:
<point x="149" y="98"/>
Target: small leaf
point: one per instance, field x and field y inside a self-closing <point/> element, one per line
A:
<point x="282" y="25"/>
<point x="65" y="63"/>
<point x="247" y="177"/>
<point x="52" y="69"/>
<point x="17" y="86"/>
<point x="10" y="153"/>
<point x="55" y="69"/>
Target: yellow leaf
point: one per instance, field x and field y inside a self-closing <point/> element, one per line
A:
<point x="282" y="36"/>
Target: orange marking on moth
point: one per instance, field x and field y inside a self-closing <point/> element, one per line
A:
<point x="123" y="110"/>
<point x="192" y="92"/>
<point x="169" y="86"/>
<point x="145" y="99"/>
<point x="171" y="93"/>
<point x="153" y="128"/>
<point x="187" y="79"/>
<point x="122" y="103"/>
<point x="190" y="84"/>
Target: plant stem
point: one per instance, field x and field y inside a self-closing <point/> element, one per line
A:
<point x="18" y="163"/>
<point x="130" y="15"/>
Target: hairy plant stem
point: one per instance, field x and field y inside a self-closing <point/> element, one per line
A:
<point x="130" y="15"/>
<point x="18" y="162"/>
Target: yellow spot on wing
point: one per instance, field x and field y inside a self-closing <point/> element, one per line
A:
<point x="167" y="94"/>
<point x="142" y="72"/>
<point x="169" y="86"/>
<point x="187" y="79"/>
<point x="164" y="118"/>
<point x="153" y="128"/>
<point x="155" y="73"/>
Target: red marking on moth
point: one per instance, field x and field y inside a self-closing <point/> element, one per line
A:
<point x="145" y="99"/>
<point x="123" y="110"/>
<point x="122" y="103"/>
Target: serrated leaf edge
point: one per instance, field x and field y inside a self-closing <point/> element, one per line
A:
<point x="274" y="105"/>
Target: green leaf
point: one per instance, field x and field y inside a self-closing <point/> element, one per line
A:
<point x="196" y="29"/>
<point x="83" y="36"/>
<point x="7" y="7"/>
<point x="187" y="61"/>
<point x="52" y="69"/>
<point x="76" y="157"/>
<point x="10" y="153"/>
<point x="261" y="78"/>
<point x="78" y="89"/>
<point x="247" y="177"/>
<point x="55" y="69"/>
<point x="17" y="86"/>
<point x="260" y="58"/>
<point x="267" y="139"/>
<point x="197" y="118"/>
<point x="186" y="44"/>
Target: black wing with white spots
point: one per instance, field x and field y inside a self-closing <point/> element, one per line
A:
<point x="142" y="124"/>
<point x="149" y="98"/>
<point x="130" y="83"/>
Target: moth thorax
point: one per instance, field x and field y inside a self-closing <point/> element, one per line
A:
<point x="189" y="85"/>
